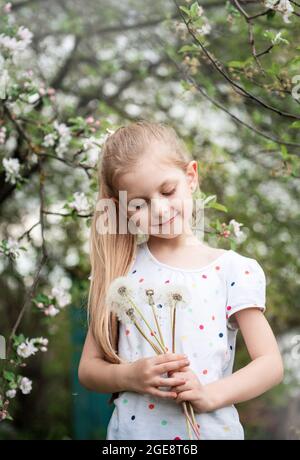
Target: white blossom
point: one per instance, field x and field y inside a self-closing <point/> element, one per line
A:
<point x="49" y="140"/>
<point x="27" y="348"/>
<point x="200" y="10"/>
<point x="11" y="247"/>
<point x="13" y="44"/>
<point x="80" y="202"/>
<point x="25" y="385"/>
<point x="92" y="147"/>
<point x="12" y="169"/>
<point x="205" y="29"/>
<point x="4" y="83"/>
<point x="2" y="134"/>
<point x="62" y="297"/>
<point x="51" y="310"/>
<point x="236" y="227"/>
<point x="32" y="98"/>
<point x="11" y="393"/>
<point x="64" y="137"/>
<point x="41" y="341"/>
<point x="283" y="6"/>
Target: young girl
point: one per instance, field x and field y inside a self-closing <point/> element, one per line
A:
<point x="150" y="163"/>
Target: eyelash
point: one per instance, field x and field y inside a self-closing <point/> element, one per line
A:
<point x="169" y="193"/>
<point x="166" y="194"/>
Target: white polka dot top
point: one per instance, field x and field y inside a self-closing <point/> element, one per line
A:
<point x="205" y="331"/>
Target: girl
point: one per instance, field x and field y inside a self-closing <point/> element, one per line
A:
<point x="150" y="163"/>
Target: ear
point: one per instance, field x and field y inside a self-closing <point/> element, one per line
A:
<point x="192" y="175"/>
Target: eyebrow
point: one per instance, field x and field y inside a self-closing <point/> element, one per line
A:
<point x="165" y="182"/>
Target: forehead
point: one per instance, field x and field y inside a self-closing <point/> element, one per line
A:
<point x="149" y="173"/>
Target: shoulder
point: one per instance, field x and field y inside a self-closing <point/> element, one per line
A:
<point x="244" y="275"/>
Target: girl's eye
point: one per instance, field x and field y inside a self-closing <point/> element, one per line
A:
<point x="136" y="207"/>
<point x="169" y="193"/>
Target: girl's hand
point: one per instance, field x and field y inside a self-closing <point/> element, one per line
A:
<point x="193" y="390"/>
<point x="144" y="375"/>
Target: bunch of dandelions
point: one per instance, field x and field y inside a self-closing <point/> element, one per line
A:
<point x="120" y="300"/>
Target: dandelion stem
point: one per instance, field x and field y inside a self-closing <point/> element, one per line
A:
<point x="173" y="328"/>
<point x="158" y="327"/>
<point x="189" y="419"/>
<point x="155" y="348"/>
<point x="146" y="322"/>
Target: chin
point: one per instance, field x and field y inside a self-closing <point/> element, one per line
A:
<point x="165" y="236"/>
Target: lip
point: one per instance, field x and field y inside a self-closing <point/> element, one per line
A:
<point x="168" y="221"/>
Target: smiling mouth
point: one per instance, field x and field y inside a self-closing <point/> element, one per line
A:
<point x="168" y="221"/>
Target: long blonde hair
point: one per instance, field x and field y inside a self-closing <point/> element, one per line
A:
<point x="112" y="254"/>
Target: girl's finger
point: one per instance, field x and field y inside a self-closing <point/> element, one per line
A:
<point x="163" y="394"/>
<point x="169" y="382"/>
<point x="171" y="366"/>
<point x="184" y="396"/>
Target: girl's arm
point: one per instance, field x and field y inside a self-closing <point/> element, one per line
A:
<point x="96" y="374"/>
<point x="262" y="373"/>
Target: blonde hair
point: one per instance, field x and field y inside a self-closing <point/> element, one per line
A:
<point x="112" y="254"/>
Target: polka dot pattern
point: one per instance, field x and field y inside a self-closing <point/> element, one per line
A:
<point x="202" y="332"/>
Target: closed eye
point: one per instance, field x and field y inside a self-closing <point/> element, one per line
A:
<point x="169" y="193"/>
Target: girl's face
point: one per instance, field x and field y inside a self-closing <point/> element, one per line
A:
<point x="159" y="195"/>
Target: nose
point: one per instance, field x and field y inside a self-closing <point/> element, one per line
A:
<point x="160" y="210"/>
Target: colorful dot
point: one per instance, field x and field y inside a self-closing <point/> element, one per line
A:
<point x="141" y="280"/>
<point x="247" y="272"/>
<point x="151" y="406"/>
<point x="201" y="327"/>
<point x="177" y="437"/>
<point x="132" y="417"/>
<point x="152" y="333"/>
<point x="164" y="422"/>
<point x="204" y="276"/>
<point x="221" y="334"/>
<point x="204" y="371"/>
<point x="125" y="401"/>
<point x="228" y="307"/>
<point x="217" y="267"/>
<point x="167" y="281"/>
<point x="213" y="317"/>
<point x="127" y="332"/>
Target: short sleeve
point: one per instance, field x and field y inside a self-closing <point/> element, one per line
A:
<point x="246" y="287"/>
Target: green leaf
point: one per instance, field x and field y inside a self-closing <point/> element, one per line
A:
<point x="218" y="206"/>
<point x="185" y="10"/>
<point x="9" y="376"/>
<point x="189" y="48"/>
